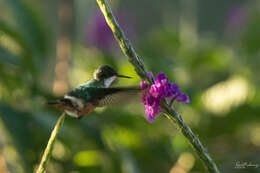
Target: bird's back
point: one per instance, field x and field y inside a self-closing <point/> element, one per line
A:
<point x="85" y="90"/>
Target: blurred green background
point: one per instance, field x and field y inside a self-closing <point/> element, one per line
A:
<point x="210" y="48"/>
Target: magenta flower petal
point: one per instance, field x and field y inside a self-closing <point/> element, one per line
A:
<point x="150" y="119"/>
<point x="178" y="95"/>
<point x="154" y="91"/>
<point x="145" y="98"/>
<point x="174" y="87"/>
<point x="143" y="85"/>
<point x="151" y="112"/>
<point x="162" y="88"/>
<point x="161" y="76"/>
<point x="150" y="74"/>
<point x="183" y="98"/>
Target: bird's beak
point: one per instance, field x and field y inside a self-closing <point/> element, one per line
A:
<point x="123" y="76"/>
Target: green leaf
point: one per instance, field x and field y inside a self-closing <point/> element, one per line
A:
<point x="29" y="24"/>
<point x="16" y="123"/>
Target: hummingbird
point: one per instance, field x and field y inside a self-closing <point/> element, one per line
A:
<point x="95" y="93"/>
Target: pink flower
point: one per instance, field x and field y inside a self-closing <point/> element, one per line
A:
<point x="162" y="88"/>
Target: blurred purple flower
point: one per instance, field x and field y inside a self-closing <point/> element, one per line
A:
<point x="99" y="34"/>
<point x="236" y="19"/>
<point x="162" y="88"/>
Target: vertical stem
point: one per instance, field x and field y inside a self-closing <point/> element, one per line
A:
<point x="134" y="58"/>
<point x="48" y="149"/>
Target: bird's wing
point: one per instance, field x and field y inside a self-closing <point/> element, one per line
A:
<point x="104" y="96"/>
<point x="113" y="96"/>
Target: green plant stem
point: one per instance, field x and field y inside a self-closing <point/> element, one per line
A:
<point x="191" y="137"/>
<point x="48" y="149"/>
<point x="168" y="111"/>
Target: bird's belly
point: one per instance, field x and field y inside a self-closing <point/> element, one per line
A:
<point x="86" y="109"/>
<point x="72" y="113"/>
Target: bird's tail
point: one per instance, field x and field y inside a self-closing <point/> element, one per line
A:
<point x="62" y="103"/>
<point x="55" y="102"/>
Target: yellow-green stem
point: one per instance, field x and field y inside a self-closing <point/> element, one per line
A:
<point x="48" y="149"/>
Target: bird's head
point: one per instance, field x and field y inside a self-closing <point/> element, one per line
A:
<point x="107" y="74"/>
